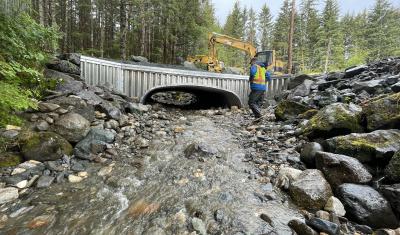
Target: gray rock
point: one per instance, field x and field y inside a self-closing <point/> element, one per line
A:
<point x="47" y="107"/>
<point x="189" y="65"/>
<point x="323" y="226"/>
<point x="96" y="137"/>
<point x="289" y="109"/>
<point x="340" y="169"/>
<point x="44" y="146"/>
<point x="76" y="105"/>
<point x="70" y="87"/>
<point x="44" y="181"/>
<point x="334" y="205"/>
<point x="301" y="228"/>
<point x="63" y="66"/>
<point x="136" y="108"/>
<point x="326" y="97"/>
<point x="90" y="97"/>
<point x="333" y="120"/>
<point x="310" y="190"/>
<point x="396" y="87"/>
<point x="353" y="71"/>
<point x="200" y="150"/>
<point x="372" y="87"/>
<point x="383" y="113"/>
<point x="392" y="194"/>
<point x="8" y="195"/>
<point x="365" y="205"/>
<point x="303" y="89"/>
<point x="199" y="226"/>
<point x="392" y="170"/>
<point x="56" y="75"/>
<point x="139" y="59"/>
<point x="378" y="146"/>
<point x="298" y="80"/>
<point x="74" y="58"/>
<point x="10" y="134"/>
<point x="308" y="152"/>
<point x="110" y="110"/>
<point x="72" y="126"/>
<point x="42" y="126"/>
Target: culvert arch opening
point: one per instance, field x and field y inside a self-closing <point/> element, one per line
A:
<point x="192" y="97"/>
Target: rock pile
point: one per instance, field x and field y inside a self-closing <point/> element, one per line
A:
<point x="352" y="120"/>
<point x="76" y="124"/>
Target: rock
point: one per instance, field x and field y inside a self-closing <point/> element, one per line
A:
<point x="308" y="152"/>
<point x="9" y="159"/>
<point x="340" y="169"/>
<point x="69" y="87"/>
<point x="72" y="126"/>
<point x="334" y="76"/>
<point x="378" y="146"/>
<point x="40" y="221"/>
<point x="200" y="150"/>
<point x="110" y="110"/>
<point x="323" y="226"/>
<point x="112" y="124"/>
<point x="288" y="109"/>
<point x="56" y="75"/>
<point x="372" y="87"/>
<point x="199" y="226"/>
<point x="43" y="126"/>
<point x="47" y="107"/>
<point x="392" y="170"/>
<point x="383" y="113"/>
<point x="301" y="228"/>
<point x="333" y="120"/>
<point x="139" y="59"/>
<point x="298" y="81"/>
<point x="324" y="215"/>
<point x="10" y="134"/>
<point x="64" y="66"/>
<point x="90" y="97"/>
<point x="363" y="229"/>
<point x="74" y="58"/>
<point x="74" y="179"/>
<point x="334" y="205"/>
<point x="365" y="205"/>
<point x="353" y="71"/>
<point x="310" y="190"/>
<point x="287" y="175"/>
<point x="17" y="171"/>
<point x="44" y="181"/>
<point x="95" y="138"/>
<point x="8" y="195"/>
<point x="44" y="146"/>
<point x="396" y="87"/>
<point x="105" y="171"/>
<point x="76" y="105"/>
<point x="303" y="89"/>
<point x="136" y="108"/>
<point x="142" y="142"/>
<point x="12" y="127"/>
<point x="325" y="98"/>
<point x="22" y="184"/>
<point x="392" y="194"/>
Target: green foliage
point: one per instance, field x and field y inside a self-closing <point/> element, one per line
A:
<point x="265" y="27"/>
<point x="21" y="58"/>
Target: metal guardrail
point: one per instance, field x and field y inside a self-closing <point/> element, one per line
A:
<point x="136" y="80"/>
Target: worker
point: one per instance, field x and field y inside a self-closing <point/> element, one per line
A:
<point x="259" y="76"/>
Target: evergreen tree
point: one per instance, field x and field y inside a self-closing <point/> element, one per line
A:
<point x="281" y="29"/>
<point x="252" y="28"/>
<point x="265" y="28"/>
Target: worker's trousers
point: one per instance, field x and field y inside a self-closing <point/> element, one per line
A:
<point x="256" y="100"/>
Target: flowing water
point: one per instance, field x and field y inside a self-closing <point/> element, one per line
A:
<point x="161" y="190"/>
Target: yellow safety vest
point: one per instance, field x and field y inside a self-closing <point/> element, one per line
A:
<point x="259" y="77"/>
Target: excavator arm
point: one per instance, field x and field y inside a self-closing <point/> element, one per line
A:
<point x="214" y="38"/>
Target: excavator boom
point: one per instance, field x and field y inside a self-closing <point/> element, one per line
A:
<point x="214" y="38"/>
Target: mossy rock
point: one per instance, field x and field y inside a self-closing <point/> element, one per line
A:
<point x="9" y="159"/>
<point x="44" y="146"/>
<point x="333" y="120"/>
<point x="309" y="114"/>
<point x="289" y="109"/>
<point x="375" y="147"/>
<point x="383" y="113"/>
<point x="393" y="168"/>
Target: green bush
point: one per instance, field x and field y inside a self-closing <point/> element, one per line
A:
<point x="25" y="46"/>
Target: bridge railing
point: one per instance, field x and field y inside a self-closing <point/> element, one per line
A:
<point x="135" y="80"/>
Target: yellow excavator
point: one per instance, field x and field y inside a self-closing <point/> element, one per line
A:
<point x="214" y="65"/>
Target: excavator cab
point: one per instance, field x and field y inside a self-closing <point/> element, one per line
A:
<point x="266" y="57"/>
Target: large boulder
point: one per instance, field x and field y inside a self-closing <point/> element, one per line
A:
<point x="64" y="66"/>
<point x="372" y="86"/>
<point x="95" y="142"/>
<point x="353" y="71"/>
<point x="74" y="58"/>
<point x="141" y="59"/>
<point x="392" y="194"/>
<point x="310" y="190"/>
<point x="289" y="109"/>
<point x="378" y="146"/>
<point x="44" y="146"/>
<point x="366" y="206"/>
<point x="298" y="80"/>
<point x="392" y="170"/>
<point x="110" y="110"/>
<point x="339" y="169"/>
<point x="383" y="113"/>
<point x="56" y="75"/>
<point x="90" y="97"/>
<point x="76" y="105"/>
<point x="308" y="153"/>
<point x="72" y="126"/>
<point x="303" y="89"/>
<point x="335" y="119"/>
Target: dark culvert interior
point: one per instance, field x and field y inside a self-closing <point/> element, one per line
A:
<point x="192" y="97"/>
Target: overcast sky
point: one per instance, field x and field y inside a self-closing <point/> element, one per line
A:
<point x="223" y="7"/>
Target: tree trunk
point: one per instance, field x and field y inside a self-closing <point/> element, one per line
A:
<point x="123" y="24"/>
<point x="41" y="12"/>
<point x="328" y="55"/>
<point x="290" y="42"/>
